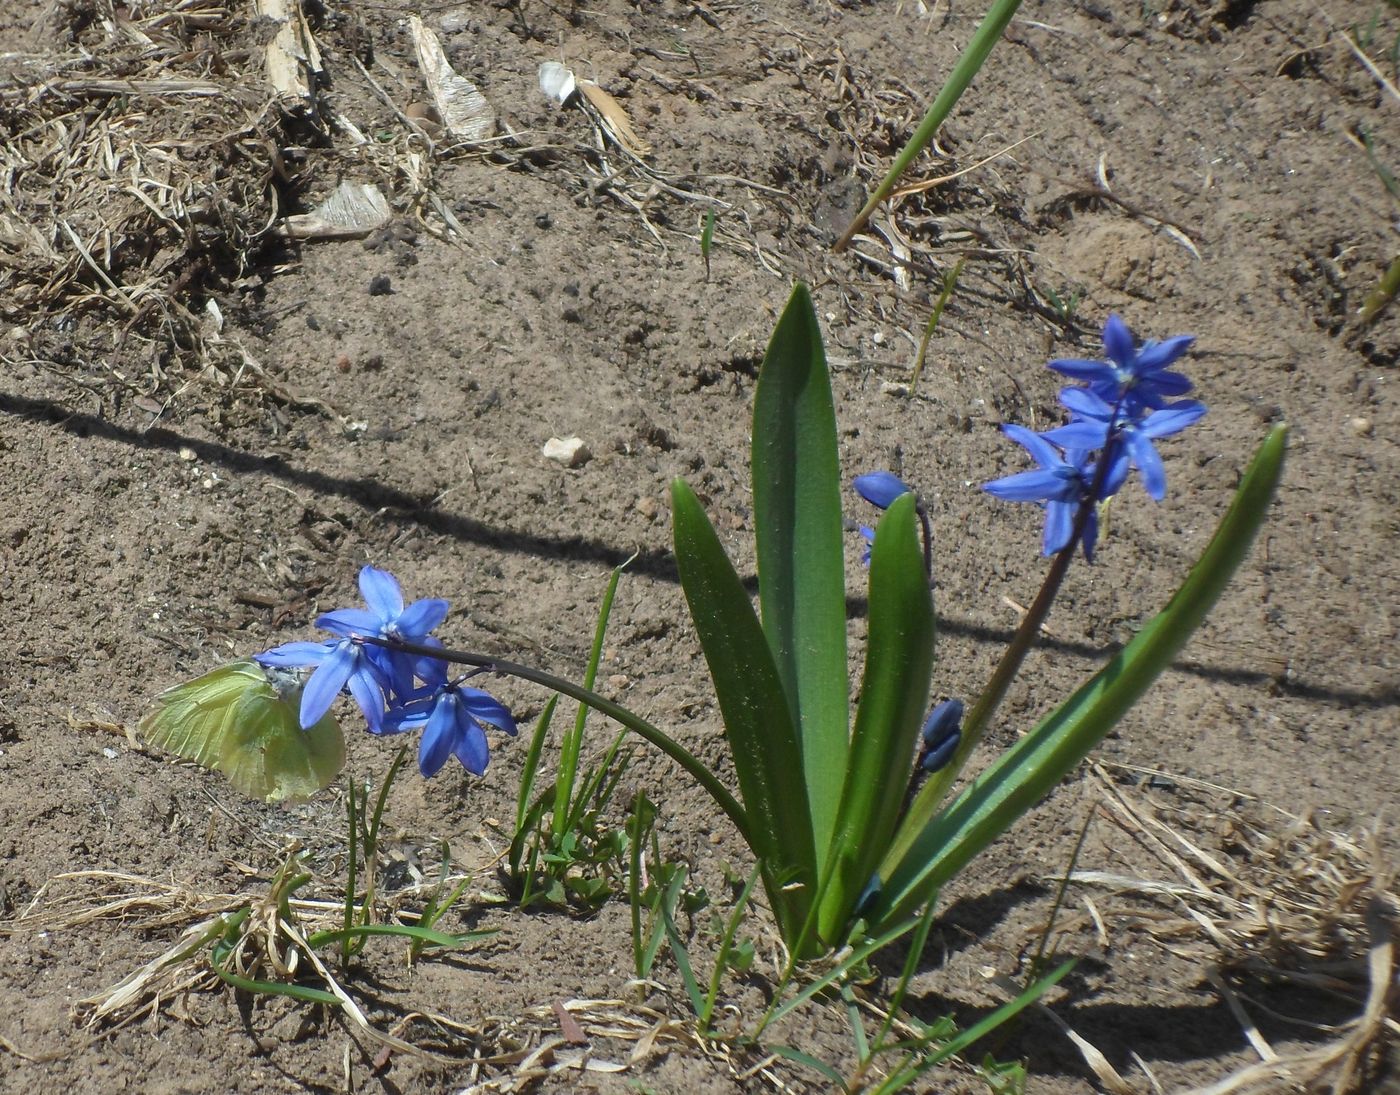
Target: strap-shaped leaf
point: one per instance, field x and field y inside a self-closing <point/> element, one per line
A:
<point x="801" y="573"/>
<point x="757" y="720"/>
<point x="1027" y="771"/>
<point x="893" y="696"/>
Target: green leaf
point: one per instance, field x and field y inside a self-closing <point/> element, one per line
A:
<point x="1027" y="771"/>
<point x="801" y="572"/>
<point x="757" y="720"/>
<point x="893" y="696"/>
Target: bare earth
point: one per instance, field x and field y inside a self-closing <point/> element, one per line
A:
<point x="169" y="504"/>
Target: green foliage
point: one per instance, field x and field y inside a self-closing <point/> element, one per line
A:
<point x="822" y="810"/>
<point x="565" y="849"/>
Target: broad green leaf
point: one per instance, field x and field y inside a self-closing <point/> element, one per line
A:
<point x="243" y="721"/>
<point x="1027" y="771"/>
<point x="893" y="696"/>
<point x="754" y="706"/>
<point x="801" y="573"/>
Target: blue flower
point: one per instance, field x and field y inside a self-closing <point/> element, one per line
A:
<point x="1061" y="484"/>
<point x="453" y="719"/>
<point x="342" y="663"/>
<point x="1096" y="420"/>
<point x="880" y="488"/>
<point x="387" y="618"/>
<point x="1140" y="378"/>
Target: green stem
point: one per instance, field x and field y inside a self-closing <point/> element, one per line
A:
<point x="638" y="725"/>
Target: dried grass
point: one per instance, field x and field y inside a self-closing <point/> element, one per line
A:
<point x="1257" y="895"/>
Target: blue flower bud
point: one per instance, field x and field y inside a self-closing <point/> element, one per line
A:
<point x="880" y="488"/>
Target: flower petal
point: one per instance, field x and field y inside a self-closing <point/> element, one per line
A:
<point x="1149" y="463"/>
<point x="1086" y="403"/>
<point x="880" y="488"/>
<point x="381" y="592"/>
<point x="486" y="708"/>
<point x="419" y="618"/>
<point x="1087" y="435"/>
<point x="350" y="621"/>
<point x="296" y="654"/>
<point x="1172" y="419"/>
<point x="1041" y="450"/>
<point x="1059" y="526"/>
<point x="1118" y="341"/>
<point x="325" y="684"/>
<point x="1156" y="356"/>
<point x="472" y="749"/>
<point x="368" y="695"/>
<point x="438" y="734"/>
<point x="1093" y="372"/>
<point x="1027" y="486"/>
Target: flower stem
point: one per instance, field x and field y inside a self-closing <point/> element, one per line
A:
<point x="638" y="725"/>
<point x="927" y="802"/>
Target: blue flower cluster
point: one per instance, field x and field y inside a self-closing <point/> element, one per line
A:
<point x="395" y="690"/>
<point x="1114" y="420"/>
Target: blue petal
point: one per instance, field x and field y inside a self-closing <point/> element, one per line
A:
<point x="1089" y="371"/>
<point x="1155" y="356"/>
<point x="1041" y="450"/>
<point x="486" y="708"/>
<point x="325" y="684"/>
<point x="350" y="621"/>
<point x="1086" y="403"/>
<point x="1091" y="534"/>
<point x="1172" y="419"/>
<point x="1086" y="435"/>
<point x="880" y="488"/>
<point x="1027" y="486"/>
<point x="472" y="749"/>
<point x="381" y="592"/>
<point x="436" y="744"/>
<point x="419" y="618"/>
<point x="1118" y="341"/>
<point x="1059" y="526"/>
<point x="1154" y="476"/>
<point x="410" y="716"/>
<point x="296" y="654"/>
<point x="369" y="696"/>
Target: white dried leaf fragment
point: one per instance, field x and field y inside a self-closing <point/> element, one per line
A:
<point x="557" y="82"/>
<point x="463" y="109"/>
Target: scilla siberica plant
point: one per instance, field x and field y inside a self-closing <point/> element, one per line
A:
<point x="822" y="798"/>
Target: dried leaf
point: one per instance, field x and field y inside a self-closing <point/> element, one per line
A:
<point x="557" y="82"/>
<point x="615" y="119"/>
<point x="352" y="210"/>
<point x="464" y="110"/>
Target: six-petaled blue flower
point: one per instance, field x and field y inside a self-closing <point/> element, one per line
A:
<point x="394" y="689"/>
<point x="1116" y="418"/>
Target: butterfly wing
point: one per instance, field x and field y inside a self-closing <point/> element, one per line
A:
<point x="234" y="720"/>
<point x="267" y="755"/>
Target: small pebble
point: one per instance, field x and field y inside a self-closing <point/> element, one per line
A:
<point x="647" y="507"/>
<point x="569" y="451"/>
<point x="1361" y="427"/>
<point x="894" y="390"/>
<point x="619" y="681"/>
<point x="379" y="285"/>
<point x="342" y="362"/>
<point x="186" y="454"/>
